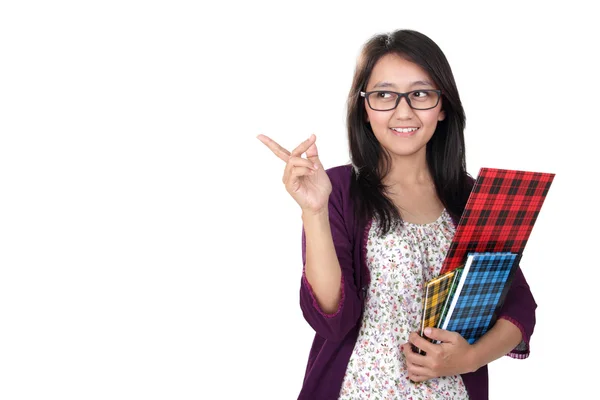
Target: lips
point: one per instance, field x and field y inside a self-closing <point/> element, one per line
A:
<point x="404" y="134"/>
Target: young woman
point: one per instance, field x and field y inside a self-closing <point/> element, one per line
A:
<point x="375" y="231"/>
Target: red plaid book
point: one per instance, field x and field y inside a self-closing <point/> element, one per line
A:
<point x="499" y="215"/>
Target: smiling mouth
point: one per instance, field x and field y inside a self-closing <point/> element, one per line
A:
<point x="404" y="132"/>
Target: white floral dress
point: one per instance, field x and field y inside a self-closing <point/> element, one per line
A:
<point x="400" y="263"/>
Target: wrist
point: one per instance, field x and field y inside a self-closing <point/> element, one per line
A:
<point x="320" y="215"/>
<point x="473" y="359"/>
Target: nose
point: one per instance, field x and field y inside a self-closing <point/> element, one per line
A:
<point x="403" y="110"/>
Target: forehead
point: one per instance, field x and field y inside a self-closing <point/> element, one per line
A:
<point x="396" y="72"/>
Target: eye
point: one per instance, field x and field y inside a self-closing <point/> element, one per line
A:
<point x="384" y="95"/>
<point x="421" y="93"/>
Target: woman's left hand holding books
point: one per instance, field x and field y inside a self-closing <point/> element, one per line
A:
<point x="453" y="356"/>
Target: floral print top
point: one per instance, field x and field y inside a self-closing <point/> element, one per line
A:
<point x="400" y="263"/>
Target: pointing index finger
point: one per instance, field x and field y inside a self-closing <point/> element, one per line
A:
<point x="279" y="151"/>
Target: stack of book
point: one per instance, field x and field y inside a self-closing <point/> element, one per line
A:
<point x="485" y="252"/>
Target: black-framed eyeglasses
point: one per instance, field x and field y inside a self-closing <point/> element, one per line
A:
<point x="384" y="100"/>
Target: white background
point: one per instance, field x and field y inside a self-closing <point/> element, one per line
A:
<point x="148" y="249"/>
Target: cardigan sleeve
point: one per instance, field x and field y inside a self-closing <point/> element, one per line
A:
<point x="519" y="308"/>
<point x="334" y="326"/>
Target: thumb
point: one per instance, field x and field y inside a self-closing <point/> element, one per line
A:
<point x="442" y="335"/>
<point x="313" y="154"/>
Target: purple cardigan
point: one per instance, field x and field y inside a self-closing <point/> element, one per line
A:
<point x="336" y="333"/>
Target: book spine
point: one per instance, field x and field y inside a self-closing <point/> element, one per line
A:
<point x="449" y="297"/>
<point x="463" y="277"/>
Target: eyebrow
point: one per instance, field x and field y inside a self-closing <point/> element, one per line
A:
<point x="389" y="84"/>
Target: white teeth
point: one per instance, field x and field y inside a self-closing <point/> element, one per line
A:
<point x="405" y="130"/>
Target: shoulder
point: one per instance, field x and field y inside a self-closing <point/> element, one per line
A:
<point x="341" y="174"/>
<point x="341" y="178"/>
<point x="470" y="182"/>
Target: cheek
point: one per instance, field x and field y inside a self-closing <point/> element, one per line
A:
<point x="430" y="118"/>
<point x="378" y="118"/>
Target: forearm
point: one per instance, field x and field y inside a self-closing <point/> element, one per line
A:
<point x="497" y="342"/>
<point x="322" y="268"/>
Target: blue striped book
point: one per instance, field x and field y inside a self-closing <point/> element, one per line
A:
<point x="480" y="293"/>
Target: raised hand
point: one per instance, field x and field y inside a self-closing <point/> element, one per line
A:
<point x="305" y="178"/>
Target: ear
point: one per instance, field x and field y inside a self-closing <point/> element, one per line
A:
<point x="442" y="115"/>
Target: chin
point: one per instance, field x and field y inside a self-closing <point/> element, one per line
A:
<point x="404" y="150"/>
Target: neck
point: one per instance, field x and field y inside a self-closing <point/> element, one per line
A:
<point x="409" y="170"/>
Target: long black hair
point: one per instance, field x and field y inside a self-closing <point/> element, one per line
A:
<point x="445" y="150"/>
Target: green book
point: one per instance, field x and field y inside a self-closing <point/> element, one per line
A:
<point x="448" y="301"/>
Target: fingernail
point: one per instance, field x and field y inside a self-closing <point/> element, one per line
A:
<point x="316" y="166"/>
<point x="401" y="348"/>
<point x="427" y="331"/>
